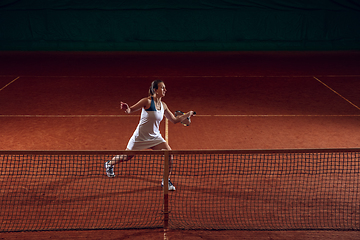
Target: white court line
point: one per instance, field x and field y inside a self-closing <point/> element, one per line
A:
<point x="337" y="93"/>
<point x="9" y="83"/>
<point x="165" y="234"/>
<point x="167" y="130"/>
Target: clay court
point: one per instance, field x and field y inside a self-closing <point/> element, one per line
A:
<point x="244" y="101"/>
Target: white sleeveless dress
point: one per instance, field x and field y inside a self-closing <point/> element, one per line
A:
<point x="147" y="134"/>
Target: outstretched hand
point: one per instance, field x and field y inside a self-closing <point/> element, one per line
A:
<point x="124" y="106"/>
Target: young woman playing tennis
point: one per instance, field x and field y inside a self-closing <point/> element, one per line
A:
<point x="147" y="134"/>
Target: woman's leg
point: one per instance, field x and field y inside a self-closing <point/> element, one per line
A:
<point x="162" y="146"/>
<point x="109" y="165"/>
<point x="120" y="158"/>
<point x="165" y="146"/>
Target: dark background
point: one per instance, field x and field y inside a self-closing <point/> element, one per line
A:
<point x="187" y="25"/>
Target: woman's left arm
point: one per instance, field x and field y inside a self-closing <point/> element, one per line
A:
<point x="169" y="115"/>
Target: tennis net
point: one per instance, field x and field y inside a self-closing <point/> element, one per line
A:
<point x="306" y="189"/>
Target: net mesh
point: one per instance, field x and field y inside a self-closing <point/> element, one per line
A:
<point x="267" y="191"/>
<point x="252" y="190"/>
<point x="54" y="192"/>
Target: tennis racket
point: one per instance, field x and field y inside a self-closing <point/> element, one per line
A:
<point x="185" y="122"/>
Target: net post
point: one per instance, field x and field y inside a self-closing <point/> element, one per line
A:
<point x="166" y="189"/>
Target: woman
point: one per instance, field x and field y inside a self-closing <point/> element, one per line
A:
<point x="147" y="134"/>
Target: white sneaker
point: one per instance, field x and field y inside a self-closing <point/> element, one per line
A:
<point x="171" y="187"/>
<point x="109" y="169"/>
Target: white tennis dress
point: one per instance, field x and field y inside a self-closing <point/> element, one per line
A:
<point x="147" y="134"/>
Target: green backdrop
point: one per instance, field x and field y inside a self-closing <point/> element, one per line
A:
<point x="187" y="25"/>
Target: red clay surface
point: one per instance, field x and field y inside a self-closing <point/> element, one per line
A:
<point x="243" y="100"/>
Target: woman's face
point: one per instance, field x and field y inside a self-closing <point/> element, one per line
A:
<point x="161" y="90"/>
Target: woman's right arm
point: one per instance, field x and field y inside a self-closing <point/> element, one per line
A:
<point x="143" y="103"/>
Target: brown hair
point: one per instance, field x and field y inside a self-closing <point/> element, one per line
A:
<point x="154" y="86"/>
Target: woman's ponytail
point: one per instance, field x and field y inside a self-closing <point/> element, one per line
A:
<point x="154" y="87"/>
